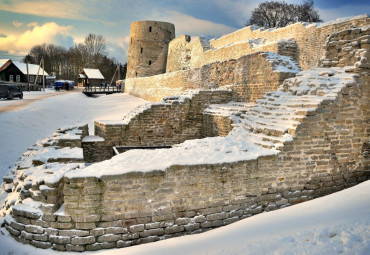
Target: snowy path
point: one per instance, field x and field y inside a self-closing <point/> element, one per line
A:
<point x="29" y="97"/>
<point x="22" y="128"/>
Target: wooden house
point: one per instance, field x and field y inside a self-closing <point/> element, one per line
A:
<point x="91" y="77"/>
<point x="14" y="71"/>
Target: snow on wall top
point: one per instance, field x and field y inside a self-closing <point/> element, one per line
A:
<point x="244" y="142"/>
<point x="93" y="73"/>
<point x="340" y="20"/>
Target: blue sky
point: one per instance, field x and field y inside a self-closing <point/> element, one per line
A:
<point x="25" y="23"/>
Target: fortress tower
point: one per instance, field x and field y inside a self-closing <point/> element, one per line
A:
<point x="148" y="47"/>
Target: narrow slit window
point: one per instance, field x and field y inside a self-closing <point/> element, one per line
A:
<point x="141" y="50"/>
<point x="150" y="62"/>
<point x="150" y="29"/>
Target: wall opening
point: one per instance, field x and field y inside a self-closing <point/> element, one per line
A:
<point x="150" y="62"/>
<point x="150" y="29"/>
<point x="141" y="50"/>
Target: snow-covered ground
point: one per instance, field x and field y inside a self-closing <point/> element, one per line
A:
<point x="335" y="224"/>
<point x="22" y="128"/>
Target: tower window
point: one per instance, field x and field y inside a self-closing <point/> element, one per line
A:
<point x="150" y="62"/>
<point x="141" y="50"/>
<point x="150" y="29"/>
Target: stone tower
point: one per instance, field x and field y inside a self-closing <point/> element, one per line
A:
<point x="148" y="47"/>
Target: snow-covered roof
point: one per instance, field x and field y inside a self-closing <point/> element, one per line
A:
<point x="32" y="69"/>
<point x="93" y="73"/>
<point x="3" y="61"/>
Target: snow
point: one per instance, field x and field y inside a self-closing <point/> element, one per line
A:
<point x="20" y="129"/>
<point x="93" y="73"/>
<point x="335" y="224"/>
<point x="338" y="223"/>
<point x="92" y="138"/>
<point x="297" y="95"/>
<point x="341" y="20"/>
<point x="32" y="69"/>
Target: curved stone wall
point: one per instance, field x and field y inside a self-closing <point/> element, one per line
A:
<point x="148" y="48"/>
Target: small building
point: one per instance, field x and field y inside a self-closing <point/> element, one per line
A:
<point x="14" y="71"/>
<point x="91" y="77"/>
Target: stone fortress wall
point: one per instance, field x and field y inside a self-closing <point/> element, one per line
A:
<point x="303" y="43"/>
<point x="320" y="150"/>
<point x="249" y="77"/>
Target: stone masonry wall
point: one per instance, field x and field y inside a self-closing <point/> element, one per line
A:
<point x="249" y="77"/>
<point x="329" y="152"/>
<point x="114" y="210"/>
<point x="187" y="53"/>
<point x="347" y="48"/>
<point x="216" y="125"/>
<point x="310" y="39"/>
<point x="167" y="123"/>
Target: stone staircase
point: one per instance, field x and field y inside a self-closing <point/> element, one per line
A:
<point x="274" y="119"/>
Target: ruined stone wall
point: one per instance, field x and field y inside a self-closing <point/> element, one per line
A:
<point x="216" y="125"/>
<point x="167" y="123"/>
<point x="309" y="40"/>
<point x="347" y="48"/>
<point x="329" y="152"/>
<point x="249" y="77"/>
<point x="192" y="199"/>
<point x="186" y="52"/>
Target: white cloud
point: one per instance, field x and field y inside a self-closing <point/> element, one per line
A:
<point x="47" y="33"/>
<point x="33" y="24"/>
<point x="17" y="23"/>
<point x="51" y="8"/>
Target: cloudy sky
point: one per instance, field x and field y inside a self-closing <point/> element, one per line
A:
<point x="25" y="23"/>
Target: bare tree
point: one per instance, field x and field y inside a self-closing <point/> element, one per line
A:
<point x="96" y="48"/>
<point x="67" y="64"/>
<point x="280" y="14"/>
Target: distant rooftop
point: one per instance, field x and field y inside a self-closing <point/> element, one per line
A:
<point x="93" y="73"/>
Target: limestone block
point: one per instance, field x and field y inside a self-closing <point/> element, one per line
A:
<point x="13" y="231"/>
<point x="70" y="247"/>
<point x="122" y="244"/>
<point x="152" y="232"/>
<point x="116" y="230"/>
<point x="136" y="228"/>
<point x="34" y="229"/>
<point x="43" y="245"/>
<point x="17" y="226"/>
<point x="60" y="239"/>
<point x="109" y="238"/>
<point x="58" y="247"/>
<point x="97" y="231"/>
<point x="85" y="226"/>
<point x="174" y="229"/>
<point x="26" y="235"/>
<point x="83" y="240"/>
<point x="42" y="238"/>
<point x="73" y="232"/>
